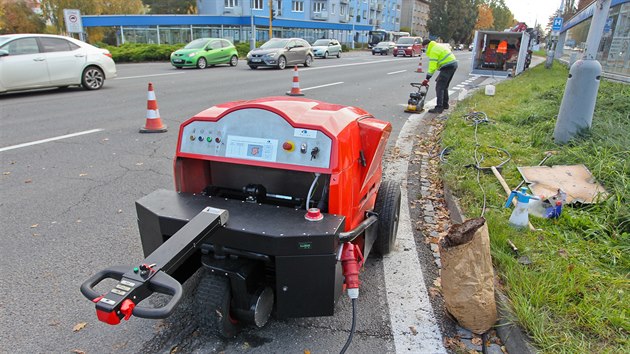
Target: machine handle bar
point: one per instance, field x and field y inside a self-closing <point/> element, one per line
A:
<point x="164" y="284"/>
<point x="87" y="288"/>
<point x="160" y="282"/>
<point x="419" y="85"/>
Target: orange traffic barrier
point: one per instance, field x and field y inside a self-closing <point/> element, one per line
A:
<point x="295" y="88"/>
<point x="154" y="122"/>
<point x="419" y="69"/>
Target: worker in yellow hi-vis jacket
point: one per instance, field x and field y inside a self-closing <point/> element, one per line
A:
<point x="440" y="58"/>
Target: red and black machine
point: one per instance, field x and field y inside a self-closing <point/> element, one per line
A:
<point x="278" y="199"/>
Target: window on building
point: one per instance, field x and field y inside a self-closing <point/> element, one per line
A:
<point x="258" y="4"/>
<point x="342" y="9"/>
<point x="231" y="3"/>
<point x="298" y="6"/>
<point x="332" y="8"/>
<point x="319" y="6"/>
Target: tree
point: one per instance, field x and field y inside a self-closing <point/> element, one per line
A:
<point x="53" y="10"/>
<point x="179" y="7"/>
<point x="452" y="20"/>
<point x="18" y="17"/>
<point x="503" y="17"/>
<point x="485" y="19"/>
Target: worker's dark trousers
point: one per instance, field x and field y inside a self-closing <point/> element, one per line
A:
<point x="441" y="85"/>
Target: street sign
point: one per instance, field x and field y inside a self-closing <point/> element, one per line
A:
<point x="73" y="20"/>
<point x="557" y="24"/>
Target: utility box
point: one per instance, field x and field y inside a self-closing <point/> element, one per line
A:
<point x="488" y="62"/>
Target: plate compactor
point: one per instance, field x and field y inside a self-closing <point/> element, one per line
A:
<point x="415" y="104"/>
<point x="278" y="199"/>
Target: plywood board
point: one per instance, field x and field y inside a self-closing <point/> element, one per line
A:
<point x="576" y="180"/>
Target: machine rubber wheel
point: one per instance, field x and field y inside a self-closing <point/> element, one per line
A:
<point x="233" y="60"/>
<point x="388" y="208"/>
<point x="92" y="78"/>
<point x="282" y="63"/>
<point x="212" y="301"/>
<point x="309" y="61"/>
<point x="202" y="63"/>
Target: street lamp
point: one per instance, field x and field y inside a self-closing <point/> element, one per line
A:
<point x="252" y="38"/>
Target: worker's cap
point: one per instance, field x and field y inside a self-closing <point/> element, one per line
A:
<point x="426" y="42"/>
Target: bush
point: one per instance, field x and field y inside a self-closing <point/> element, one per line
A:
<point x="138" y="52"/>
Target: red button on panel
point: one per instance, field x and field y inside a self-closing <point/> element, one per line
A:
<point x="288" y="146"/>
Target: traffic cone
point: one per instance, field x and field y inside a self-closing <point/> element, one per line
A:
<point x="154" y="122"/>
<point x="295" y="89"/>
<point x="419" y="69"/>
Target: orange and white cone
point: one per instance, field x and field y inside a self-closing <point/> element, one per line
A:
<point x="419" y="69"/>
<point x="154" y="122"/>
<point x="295" y="88"/>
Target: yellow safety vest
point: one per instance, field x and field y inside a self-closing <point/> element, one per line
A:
<point x="438" y="57"/>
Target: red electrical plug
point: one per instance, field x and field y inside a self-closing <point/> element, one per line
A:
<point x="351" y="263"/>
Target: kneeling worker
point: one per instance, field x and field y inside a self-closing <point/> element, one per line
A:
<point x="440" y="58"/>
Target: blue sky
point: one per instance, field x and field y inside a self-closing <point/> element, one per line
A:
<point x="529" y="11"/>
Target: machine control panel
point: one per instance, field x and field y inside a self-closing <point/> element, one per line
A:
<point x="257" y="134"/>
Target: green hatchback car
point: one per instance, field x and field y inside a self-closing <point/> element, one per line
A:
<point x="204" y="52"/>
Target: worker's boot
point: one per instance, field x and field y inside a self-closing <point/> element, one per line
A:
<point x="437" y="109"/>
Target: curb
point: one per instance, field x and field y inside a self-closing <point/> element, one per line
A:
<point x="513" y="338"/>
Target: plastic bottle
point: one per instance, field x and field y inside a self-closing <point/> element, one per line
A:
<point x="520" y="215"/>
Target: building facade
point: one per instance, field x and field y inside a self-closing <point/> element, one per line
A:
<point x="414" y="15"/>
<point x="614" y="49"/>
<point x="345" y="20"/>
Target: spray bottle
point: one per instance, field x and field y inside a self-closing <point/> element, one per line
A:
<point x="520" y="215"/>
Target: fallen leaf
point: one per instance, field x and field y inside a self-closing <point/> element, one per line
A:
<point x="6" y="173"/>
<point x="28" y="181"/>
<point x="139" y="163"/>
<point x="438" y="282"/>
<point x="78" y="351"/>
<point x="476" y="341"/>
<point x="563" y="253"/>
<point x="434" y="292"/>
<point x="82" y="174"/>
<point x="306" y="351"/>
<point x="174" y="350"/>
<point x="34" y="226"/>
<point x="119" y="211"/>
<point x="413" y="330"/>
<point x="105" y="139"/>
<point x="54" y="323"/>
<point x="79" y="326"/>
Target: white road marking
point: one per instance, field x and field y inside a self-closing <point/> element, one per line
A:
<point x="414" y="326"/>
<point x="141" y="76"/>
<point x="49" y="139"/>
<point x="352" y="64"/>
<point x="396" y="72"/>
<point x="320" y="86"/>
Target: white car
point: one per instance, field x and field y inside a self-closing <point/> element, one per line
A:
<point x="325" y="48"/>
<point x="29" y="61"/>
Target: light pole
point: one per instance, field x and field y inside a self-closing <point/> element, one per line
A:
<point x="252" y="38"/>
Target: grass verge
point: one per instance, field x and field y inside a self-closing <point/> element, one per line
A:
<point x="574" y="296"/>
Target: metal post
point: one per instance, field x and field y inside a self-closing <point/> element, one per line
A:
<point x="580" y="93"/>
<point x="122" y="35"/>
<point x="270" y="19"/>
<point x="252" y="38"/>
<point x="158" y="34"/>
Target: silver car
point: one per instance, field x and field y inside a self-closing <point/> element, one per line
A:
<point x="324" y="48"/>
<point x="29" y="61"/>
<point x="280" y="52"/>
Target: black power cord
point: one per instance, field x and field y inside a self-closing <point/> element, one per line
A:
<point x="354" y="322"/>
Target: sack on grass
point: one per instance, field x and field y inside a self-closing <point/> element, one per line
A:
<point x="467" y="275"/>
